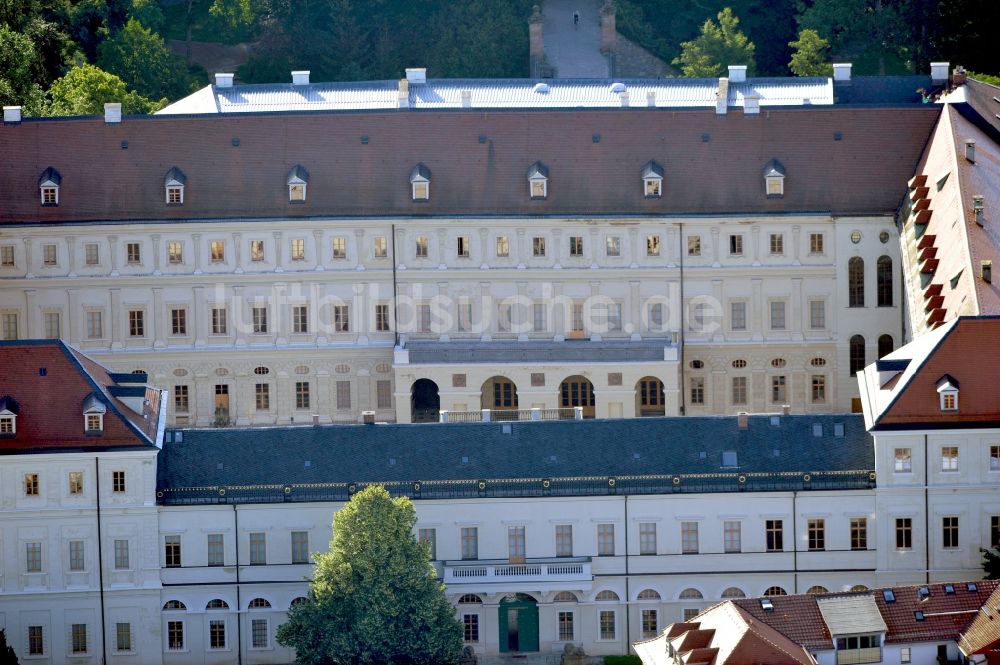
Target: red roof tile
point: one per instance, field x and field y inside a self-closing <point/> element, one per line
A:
<point x="945" y="614"/>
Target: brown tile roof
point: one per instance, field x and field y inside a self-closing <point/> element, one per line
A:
<point x="983" y="634"/>
<point x="945" y="614"/>
<point x="50" y="382"/>
<point x="797" y="617"/>
<point x="712" y="164"/>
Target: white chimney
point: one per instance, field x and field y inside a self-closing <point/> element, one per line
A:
<point x="842" y="71"/>
<point x="112" y="113"/>
<point x="416" y="75"/>
<point x="751" y="104"/>
<point x="970" y="150"/>
<point x="368" y="417"/>
<point x="300" y="77"/>
<point x="223" y="80"/>
<point x="742" y="420"/>
<point x="623" y="98"/>
<point x="651" y="99"/>
<point x="722" y="97"/>
<point x="466" y="99"/>
<point x="939" y="72"/>
<point x="12" y="114"/>
<point x="978" y="208"/>
<point x="404" y="94"/>
<point x="737" y="73"/>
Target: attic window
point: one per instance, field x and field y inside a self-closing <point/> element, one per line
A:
<point x="774" y="179"/>
<point x="8" y="417"/>
<point x="174" y="185"/>
<point x="48" y="186"/>
<point x="817" y="429"/>
<point x="94" y="422"/>
<point x="652" y="180"/>
<point x="538" y="181"/>
<point x="420" y="183"/>
<point x="947" y="388"/>
<point x="93" y="415"/>
<point x="298" y="178"/>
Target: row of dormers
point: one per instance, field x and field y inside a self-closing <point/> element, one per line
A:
<point x="420" y="183"/>
<point x="93" y="410"/>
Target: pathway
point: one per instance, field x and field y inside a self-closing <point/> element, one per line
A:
<point x="574" y="52"/>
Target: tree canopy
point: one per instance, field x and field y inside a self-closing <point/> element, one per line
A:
<point x="375" y="597"/>
<point x="139" y="57"/>
<point x="84" y="91"/>
<point x="809" y="57"/>
<point x="718" y="46"/>
<point x="991" y="563"/>
<point x="7" y="655"/>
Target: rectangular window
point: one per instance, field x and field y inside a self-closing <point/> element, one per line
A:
<point x="905" y="655"/>
<point x="341" y="318"/>
<point x="949" y="533"/>
<point x="538" y="246"/>
<point x="994" y="531"/>
<point x="7" y="256"/>
<point x="576" y="317"/>
<point x="649" y="624"/>
<point x="815" y="243"/>
<point x="949" y="458"/>
<point x="123" y="637"/>
<point x="31" y="484"/>
<point x="216" y="549"/>
<point x="470" y="628"/>
<point x="33" y="557"/>
<point x="262" y="396"/>
<point x="259" y="314"/>
<point x="51" y="321"/>
<point x="777" y="243"/>
<point x="817" y="314"/>
<point x="175" y="252"/>
<point x="904" y="533"/>
<point x="95" y="324"/>
<point x="300" y="319"/>
<point x="298" y="249"/>
<point x="429" y="536"/>
<point x="774" y="534"/>
<point x="76" y="482"/>
<point x="381" y="247"/>
<point x="121" y="555"/>
<point x="175" y="635"/>
<point x="217" y="634"/>
<point x="300" y="547"/>
<point x="178" y="322"/>
<point x="697" y="390"/>
<point x="136" y="323"/>
<point x="343" y="395"/>
<point x="816" y="535"/>
<point x="515" y="543"/>
<point x="36" y="643"/>
<point x="118" y="482"/>
<point x="503" y="246"/>
<point x="340" y="247"/>
<point x="576" y="245"/>
<point x="10" y="325"/>
<point x="217" y="251"/>
<point x="652" y="245"/>
<point x="301" y="394"/>
<point x="732" y="536"/>
<point x="647" y="538"/>
<point x="49" y="256"/>
<point x="739" y="395"/>
<point x="694" y="245"/>
<point x="423" y="318"/>
<point x="94" y="422"/>
<point x="903" y="462"/>
<point x="172" y="551"/>
<point x="383" y="394"/>
<point x="76" y="555"/>
<point x="219" y="326"/>
<point x="132" y="253"/>
<point x="777" y="315"/>
<point x="539" y="322"/>
<point x="818" y="389"/>
<point x="78" y="638"/>
<point x="381" y="318"/>
<point x="605" y="540"/>
<point x="735" y="244"/>
<point x="175" y="195"/>
<point x="470" y="543"/>
<point x="258" y="634"/>
<point x="859" y="533"/>
<point x="258" y="548"/>
<point x="606" y="620"/>
<point x="613" y="245"/>
<point x="566" y="627"/>
<point x="564" y="540"/>
<point x="655" y="314"/>
<point x="421" y="247"/>
<point x="256" y="250"/>
<point x="92" y="254"/>
<point x="994" y="458"/>
<point x="503" y="317"/>
<point x="689" y="537"/>
<point x="778" y="389"/>
<point x="738" y="315"/>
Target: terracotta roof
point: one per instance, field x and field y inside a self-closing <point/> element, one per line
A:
<point x="50" y="382"/>
<point x="946" y="615"/>
<point x="983" y="634"/>
<point x="796" y="617"/>
<point x="359" y="163"/>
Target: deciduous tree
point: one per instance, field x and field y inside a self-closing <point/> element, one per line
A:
<point x="84" y="91"/>
<point x="139" y="57"/>
<point x="18" y="61"/>
<point x="718" y="46"/>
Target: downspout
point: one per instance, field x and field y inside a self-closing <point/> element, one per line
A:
<point x="680" y="332"/>
<point x="100" y="559"/>
<point x="239" y="605"/>
<point x="927" y="516"/>
<point x="395" y="299"/>
<point x="628" y="627"/>
<point x="795" y="544"/>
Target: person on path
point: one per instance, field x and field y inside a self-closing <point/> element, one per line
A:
<point x="576" y="20"/>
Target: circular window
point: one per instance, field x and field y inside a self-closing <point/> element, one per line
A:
<point x="342" y="369"/>
<point x="260" y="371"/>
<point x="301" y="369"/>
<point x="855" y="237"/>
<point x="884" y="237"/>
<point x="180" y="372"/>
<point x="818" y="362"/>
<point x="778" y="362"/>
<point x="697" y="364"/>
<point x="740" y="363"/>
<point x="382" y="368"/>
<point x="221" y="371"/>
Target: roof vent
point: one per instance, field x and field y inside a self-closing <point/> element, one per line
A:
<point x="618" y="87"/>
<point x="842" y="72"/>
<point x="541" y="88"/>
<point x="742" y="420"/>
<point x="11" y="114"/>
<point x="977" y="208"/>
<point x="223" y="80"/>
<point x="939" y="72"/>
<point x="416" y="75"/>
<point x="737" y="73"/>
<point x="970" y="150"/>
<point x="986" y="268"/>
<point x="300" y="77"/>
<point x="112" y="112"/>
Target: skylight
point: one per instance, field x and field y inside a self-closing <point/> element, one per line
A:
<point x="918" y="615"/>
<point x="766" y="604"/>
<point x="923" y="593"/>
<point x="949" y="588"/>
<point x="889" y="596"/>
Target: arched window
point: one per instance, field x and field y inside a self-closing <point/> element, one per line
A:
<point x="733" y="592"/>
<point x="775" y="591"/>
<point x="174" y="605"/>
<point x="649" y="594"/>
<point x="856" y="282"/>
<point x="565" y="597"/>
<point x="298" y="601"/>
<point x="470" y="599"/>
<point x="817" y="589"/>
<point x="607" y="595"/>
<point x="259" y="604"/>
<point x="217" y="604"/>
<point x="857" y="353"/>
<point x="691" y="594"/>
<point x="884" y="346"/>
<point x="859" y="587"/>
<point x="883" y="281"/>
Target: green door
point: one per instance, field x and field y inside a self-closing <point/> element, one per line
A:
<point x="518" y="622"/>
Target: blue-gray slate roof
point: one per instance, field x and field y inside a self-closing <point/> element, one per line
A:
<point x="640" y="455"/>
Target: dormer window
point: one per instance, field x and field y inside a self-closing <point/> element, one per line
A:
<point x="174" y="186"/>
<point x="8" y="417"/>
<point x="774" y="179"/>
<point x="298" y="179"/>
<point x="652" y="180"/>
<point x="420" y="183"/>
<point x="538" y="181"/>
<point x="93" y="415"/>
<point x="947" y="388"/>
<point x="48" y="186"/>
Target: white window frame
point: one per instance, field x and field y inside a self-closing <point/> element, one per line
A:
<point x="267" y="634"/>
<point x="174" y="189"/>
<point x="48" y="187"/>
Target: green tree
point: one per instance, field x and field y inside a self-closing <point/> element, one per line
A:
<point x="18" y="61"/>
<point x="991" y="563"/>
<point x="84" y="91"/>
<point x="149" y="13"/>
<point x="718" y="46"/>
<point x="375" y="598"/>
<point x="809" y="57"/>
<point x="7" y="655"/>
<point x="872" y="34"/>
<point x="139" y="56"/>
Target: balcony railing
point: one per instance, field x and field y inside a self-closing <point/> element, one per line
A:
<point x="575" y="569"/>
<point x="510" y="415"/>
<point x="859" y="656"/>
